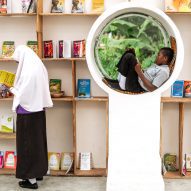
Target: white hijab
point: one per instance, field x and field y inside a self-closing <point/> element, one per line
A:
<point x="31" y="86"/>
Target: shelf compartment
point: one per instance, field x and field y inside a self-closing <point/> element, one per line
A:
<point x="67" y="98"/>
<point x="5" y="171"/>
<point x="175" y="100"/>
<point x="70" y="14"/>
<point x="17" y="14"/>
<point x="92" y="172"/>
<point x="104" y="99"/>
<point x="7" y="135"/>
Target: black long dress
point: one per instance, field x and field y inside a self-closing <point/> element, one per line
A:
<point x="31" y="142"/>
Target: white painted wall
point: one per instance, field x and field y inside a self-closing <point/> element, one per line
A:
<point x="90" y="116"/>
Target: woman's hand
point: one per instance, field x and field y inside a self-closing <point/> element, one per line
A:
<point x="138" y="68"/>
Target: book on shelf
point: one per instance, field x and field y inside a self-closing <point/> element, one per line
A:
<point x="67" y="161"/>
<point x="79" y="48"/>
<point x="187" y="88"/>
<point x="7" y="124"/>
<point x="7" y="78"/>
<point x="78" y="6"/>
<point x="177" y="6"/>
<point x="10" y="160"/>
<point x="48" y="49"/>
<point x="84" y="88"/>
<point x="85" y="161"/>
<point x="97" y="6"/>
<point x="188" y="162"/>
<point x="60" y="48"/>
<point x="55" y="85"/>
<point x="1" y="159"/>
<point x="67" y="49"/>
<point x="53" y="160"/>
<point x="33" y="45"/>
<point x="184" y="166"/>
<point x="177" y="89"/>
<point x="57" y="6"/>
<point x="8" y="49"/>
<point x="3" y="6"/>
<point x="170" y="162"/>
<point x="29" y="6"/>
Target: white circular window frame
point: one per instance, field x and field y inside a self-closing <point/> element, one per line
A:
<point x="121" y="9"/>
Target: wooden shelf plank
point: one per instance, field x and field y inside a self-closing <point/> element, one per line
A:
<point x="6" y="99"/>
<point x="93" y="172"/>
<point x="177" y="13"/>
<point x="175" y="100"/>
<point x="176" y="175"/>
<point x="67" y="98"/>
<point x="17" y="14"/>
<point x="104" y="99"/>
<point x="60" y="173"/>
<point x="70" y="14"/>
<point x="5" y="171"/>
<point x="63" y="59"/>
<point x="7" y="135"/>
<point x="6" y="60"/>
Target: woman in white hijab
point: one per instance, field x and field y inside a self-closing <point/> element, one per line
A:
<point x="31" y="97"/>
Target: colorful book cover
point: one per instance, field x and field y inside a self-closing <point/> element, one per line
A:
<point x="61" y="48"/>
<point x="66" y="160"/>
<point x="25" y="5"/>
<point x="170" y="162"/>
<point x="78" y="6"/>
<point x="79" y="48"/>
<point x="1" y="159"/>
<point x="33" y="45"/>
<point x="187" y="88"/>
<point x="55" y="85"/>
<point x="84" y="88"/>
<point x="48" y="49"/>
<point x="85" y="161"/>
<point x="177" y="89"/>
<point x="57" y="6"/>
<point x="54" y="161"/>
<point x="97" y="6"/>
<point x="10" y="160"/>
<point x="7" y="123"/>
<point x="7" y="78"/>
<point x="188" y="162"/>
<point x="178" y="5"/>
<point x="3" y="6"/>
<point x="8" y="49"/>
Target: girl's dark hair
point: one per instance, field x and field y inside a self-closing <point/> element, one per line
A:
<point x="168" y="52"/>
<point x="130" y="50"/>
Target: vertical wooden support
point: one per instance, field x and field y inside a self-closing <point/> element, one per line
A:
<point x="181" y="127"/>
<point x="107" y="134"/>
<point x="39" y="27"/>
<point x="73" y="78"/>
<point x="161" y="129"/>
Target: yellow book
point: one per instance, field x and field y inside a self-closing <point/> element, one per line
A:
<point x="97" y="6"/>
<point x="7" y="78"/>
<point x="8" y="49"/>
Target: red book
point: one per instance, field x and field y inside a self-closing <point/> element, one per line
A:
<point x="10" y="160"/>
<point x="48" y="49"/>
<point x="79" y="48"/>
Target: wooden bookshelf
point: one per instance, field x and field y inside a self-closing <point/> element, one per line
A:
<point x="6" y="60"/>
<point x="67" y="98"/>
<point x="70" y="14"/>
<point x="63" y="59"/>
<point x="7" y="135"/>
<point x="177" y="13"/>
<point x="102" y="99"/>
<point x="60" y="173"/>
<point x="92" y="172"/>
<point x="175" y="100"/>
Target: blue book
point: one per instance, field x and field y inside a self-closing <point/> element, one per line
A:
<point x="84" y="88"/>
<point x="177" y="89"/>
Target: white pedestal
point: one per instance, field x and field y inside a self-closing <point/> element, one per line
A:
<point x="134" y="141"/>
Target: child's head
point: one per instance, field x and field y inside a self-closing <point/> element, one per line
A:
<point x="165" y="56"/>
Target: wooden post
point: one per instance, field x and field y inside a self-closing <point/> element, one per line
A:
<point x="74" y="78"/>
<point x="39" y="27"/>
<point x="181" y="127"/>
<point x="107" y="134"/>
<point x="161" y="129"/>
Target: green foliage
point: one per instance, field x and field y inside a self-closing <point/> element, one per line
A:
<point x="140" y="32"/>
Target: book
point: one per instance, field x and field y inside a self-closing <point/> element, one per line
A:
<point x="187" y="88"/>
<point x="60" y="48"/>
<point x="33" y="45"/>
<point x="1" y="159"/>
<point x="57" y="6"/>
<point x="55" y="85"/>
<point x="184" y="166"/>
<point x="177" y="6"/>
<point x="3" y="6"/>
<point x="66" y="161"/>
<point x="79" y="48"/>
<point x="84" y="88"/>
<point x="32" y="6"/>
<point x="97" y="6"/>
<point x="67" y="48"/>
<point x="8" y="49"/>
<point x="7" y="123"/>
<point x="85" y="161"/>
<point x="48" y="49"/>
<point x="188" y="162"/>
<point x="54" y="160"/>
<point x="10" y="160"/>
<point x="78" y="6"/>
<point x="25" y="5"/>
<point x="170" y="162"/>
<point x="7" y="78"/>
<point x="177" y="89"/>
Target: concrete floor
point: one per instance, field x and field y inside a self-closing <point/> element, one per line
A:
<point x="9" y="183"/>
